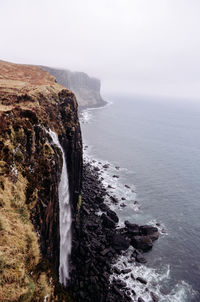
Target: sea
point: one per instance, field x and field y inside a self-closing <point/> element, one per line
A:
<point x="151" y="149"/>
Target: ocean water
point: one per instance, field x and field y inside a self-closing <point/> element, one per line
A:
<point x="153" y="146"/>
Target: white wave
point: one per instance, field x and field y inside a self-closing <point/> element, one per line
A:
<point x="85" y="117"/>
<point x="157" y="281"/>
<point x="159" y="225"/>
<point x="124" y="194"/>
<point x="158" y="278"/>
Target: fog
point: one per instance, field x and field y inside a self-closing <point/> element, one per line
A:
<point x="146" y="47"/>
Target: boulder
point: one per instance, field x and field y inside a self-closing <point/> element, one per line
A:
<point x="115" y="176"/>
<point x="132" y="228"/>
<point x="143" y="243"/>
<point x="114" y="200"/>
<point x="141" y="280"/>
<point x="120" y="242"/>
<point x="140" y="259"/>
<point x="154" y="297"/>
<point x="117" y="270"/>
<point x="106" y="166"/>
<point x="119" y="283"/>
<point x="151" y="231"/>
<point x="107" y="221"/>
<point x="113" y="215"/>
<point x="126" y="271"/>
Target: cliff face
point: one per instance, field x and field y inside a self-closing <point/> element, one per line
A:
<point x="86" y="89"/>
<point x="30" y="169"/>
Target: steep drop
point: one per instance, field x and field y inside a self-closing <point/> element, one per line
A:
<point x="65" y="217"/>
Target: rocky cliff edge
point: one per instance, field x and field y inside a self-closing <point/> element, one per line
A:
<point x="30" y="168"/>
<point x="86" y="89"/>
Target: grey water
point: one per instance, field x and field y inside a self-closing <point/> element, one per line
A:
<point x="156" y="142"/>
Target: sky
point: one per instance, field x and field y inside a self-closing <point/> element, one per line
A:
<point x="143" y="47"/>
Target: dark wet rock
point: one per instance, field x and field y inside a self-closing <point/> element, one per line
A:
<point x="119" y="283"/>
<point x="133" y="229"/>
<point x="117" y="291"/>
<point x="115" y="176"/>
<point x="141" y="280"/>
<point x="107" y="221"/>
<point x="140" y="258"/>
<point x="140" y="299"/>
<point x="131" y="260"/>
<point x="99" y="199"/>
<point x="120" y="242"/>
<point x="123" y="198"/>
<point x="126" y="186"/>
<point x="98" y="245"/>
<point x="143" y="243"/>
<point x="154" y="297"/>
<point x="104" y="207"/>
<point x="114" y="200"/>
<point x="112" y="215"/>
<point x="150" y="231"/>
<point x="116" y="270"/>
<point x="122" y="205"/>
<point x="86" y="210"/>
<point x="92" y="225"/>
<point x="126" y="271"/>
<point x="106" y="166"/>
<point x="105" y="251"/>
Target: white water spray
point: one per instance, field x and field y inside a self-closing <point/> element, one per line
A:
<point x="65" y="217"/>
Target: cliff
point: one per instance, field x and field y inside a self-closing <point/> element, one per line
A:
<point x="32" y="159"/>
<point x="31" y="103"/>
<point x="86" y="89"/>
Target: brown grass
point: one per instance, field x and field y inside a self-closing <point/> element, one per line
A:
<point x="26" y="81"/>
<point x="19" y="248"/>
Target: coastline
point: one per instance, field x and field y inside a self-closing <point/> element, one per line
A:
<point x="97" y="244"/>
<point x="159" y="278"/>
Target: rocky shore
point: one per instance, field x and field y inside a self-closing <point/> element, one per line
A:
<point x="98" y="242"/>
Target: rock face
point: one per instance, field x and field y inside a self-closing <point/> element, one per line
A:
<point x="30" y="169"/>
<point x="86" y="89"/>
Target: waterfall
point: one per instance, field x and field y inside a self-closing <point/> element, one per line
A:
<point x="65" y="217"/>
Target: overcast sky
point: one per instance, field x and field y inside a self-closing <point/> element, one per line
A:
<point x="134" y="46"/>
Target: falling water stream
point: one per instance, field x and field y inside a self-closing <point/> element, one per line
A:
<point x="65" y="217"/>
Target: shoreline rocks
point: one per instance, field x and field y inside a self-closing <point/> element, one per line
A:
<point x="97" y="243"/>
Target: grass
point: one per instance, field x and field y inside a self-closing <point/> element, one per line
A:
<point x="19" y="247"/>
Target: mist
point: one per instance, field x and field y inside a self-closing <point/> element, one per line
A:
<point x="134" y="46"/>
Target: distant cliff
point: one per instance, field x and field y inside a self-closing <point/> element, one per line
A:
<point x="31" y="103"/>
<point x="86" y="89"/>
